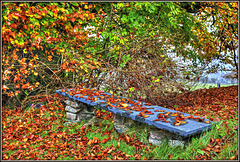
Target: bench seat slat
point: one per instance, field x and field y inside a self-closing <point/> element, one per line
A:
<point x="185" y="130"/>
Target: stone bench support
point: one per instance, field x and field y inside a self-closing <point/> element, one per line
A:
<point x="77" y="111"/>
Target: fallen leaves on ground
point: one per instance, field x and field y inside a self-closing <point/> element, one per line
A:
<point x="33" y="135"/>
<point x="215" y="104"/>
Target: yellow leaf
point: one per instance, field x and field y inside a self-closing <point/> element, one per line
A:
<point x="183" y="122"/>
<point x="35" y="73"/>
<point x="36" y="84"/>
<point x="124" y="105"/>
<point x="25" y="140"/>
<point x="36" y="57"/>
<point x="62" y="50"/>
<point x="156" y="80"/>
<point x="111" y="91"/>
<point x="85" y="7"/>
<point x="15" y="17"/>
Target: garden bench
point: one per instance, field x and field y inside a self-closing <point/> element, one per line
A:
<point x="181" y="124"/>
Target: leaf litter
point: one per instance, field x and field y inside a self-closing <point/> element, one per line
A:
<point x="33" y="135"/>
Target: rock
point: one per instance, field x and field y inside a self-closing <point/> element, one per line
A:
<point x="154" y="141"/>
<point x="157" y="136"/>
<point x="74" y="104"/>
<point x="121" y="123"/>
<point x="86" y="116"/>
<point x="129" y="122"/>
<point x="94" y="121"/>
<point x="174" y="143"/>
<point x="118" y="119"/>
<point x="68" y="102"/>
<point x="77" y="111"/>
<point x="121" y="128"/>
<point x="71" y="116"/>
<point x="72" y="110"/>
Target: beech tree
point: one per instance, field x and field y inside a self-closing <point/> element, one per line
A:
<point x="123" y="47"/>
<point x="221" y="42"/>
<point x="37" y="41"/>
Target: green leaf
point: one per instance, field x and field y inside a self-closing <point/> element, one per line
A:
<point x="26" y="93"/>
<point x="122" y="65"/>
<point x="132" y="89"/>
<point x="105" y="89"/>
<point x="51" y="13"/>
<point x="124" y="18"/>
<point x="75" y="3"/>
<point x="200" y="152"/>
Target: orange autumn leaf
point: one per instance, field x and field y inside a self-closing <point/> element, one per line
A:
<point x="49" y="58"/>
<point x="207" y="121"/>
<point x="88" y="56"/>
<point x="159" y="110"/>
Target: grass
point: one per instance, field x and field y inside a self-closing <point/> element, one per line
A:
<point x="210" y="85"/>
<point x="193" y="148"/>
<point x="161" y="152"/>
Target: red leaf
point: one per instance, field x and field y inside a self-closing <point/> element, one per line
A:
<point x="72" y="19"/>
<point x="83" y="127"/>
<point x="104" y="140"/>
<point x="217" y="119"/>
<point x="170" y="156"/>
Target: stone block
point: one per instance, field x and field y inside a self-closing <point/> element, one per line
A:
<point x="158" y="136"/>
<point x="71" y="116"/>
<point x="129" y="122"/>
<point x="118" y="119"/>
<point x="72" y="110"/>
<point x="121" y="128"/>
<point x="74" y="104"/>
<point x="86" y="116"/>
<point x="68" y="102"/>
<point x="94" y="121"/>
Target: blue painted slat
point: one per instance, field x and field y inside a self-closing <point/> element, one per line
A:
<point x="185" y="130"/>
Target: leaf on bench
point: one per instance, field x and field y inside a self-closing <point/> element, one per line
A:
<point x="124" y="105"/>
<point x="159" y="110"/>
